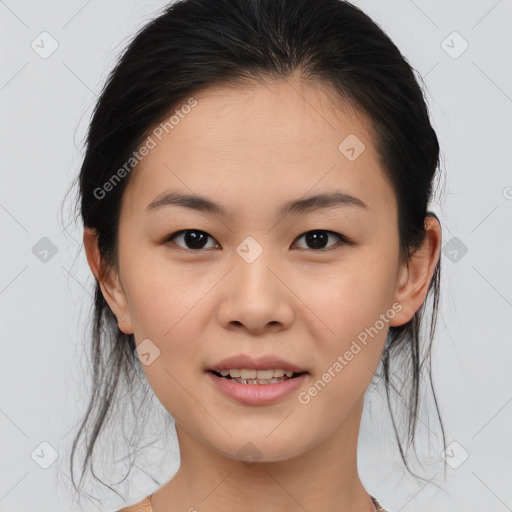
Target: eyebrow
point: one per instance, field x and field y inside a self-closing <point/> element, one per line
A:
<point x="305" y="205"/>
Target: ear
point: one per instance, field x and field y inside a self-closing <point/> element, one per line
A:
<point x="109" y="282"/>
<point x="415" y="276"/>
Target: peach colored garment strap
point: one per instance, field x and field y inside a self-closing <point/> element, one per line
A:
<point x="142" y="506"/>
<point x="377" y="506"/>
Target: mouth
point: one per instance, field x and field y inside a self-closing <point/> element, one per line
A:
<point x="247" y="387"/>
<point x="252" y="377"/>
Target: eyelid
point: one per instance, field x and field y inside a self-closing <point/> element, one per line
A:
<point x="343" y="239"/>
<point x="168" y="238"/>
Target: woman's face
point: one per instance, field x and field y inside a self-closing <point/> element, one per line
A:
<point x="245" y="279"/>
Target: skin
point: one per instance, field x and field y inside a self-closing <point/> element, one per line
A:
<point x="252" y="150"/>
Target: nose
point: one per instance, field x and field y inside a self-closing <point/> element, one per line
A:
<point x="256" y="296"/>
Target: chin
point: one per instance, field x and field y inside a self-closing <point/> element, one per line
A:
<point x="258" y="446"/>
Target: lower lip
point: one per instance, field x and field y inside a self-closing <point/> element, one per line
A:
<point x="257" y="394"/>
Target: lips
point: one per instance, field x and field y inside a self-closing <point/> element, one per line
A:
<point x="257" y="394"/>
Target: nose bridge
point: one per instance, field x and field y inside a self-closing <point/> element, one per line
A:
<point x="255" y="296"/>
<point x="253" y="262"/>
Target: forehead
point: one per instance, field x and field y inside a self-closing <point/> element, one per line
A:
<point x="262" y="143"/>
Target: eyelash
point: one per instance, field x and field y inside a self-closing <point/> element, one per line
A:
<point x="343" y="239"/>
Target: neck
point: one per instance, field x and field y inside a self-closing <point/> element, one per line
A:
<point x="323" y="477"/>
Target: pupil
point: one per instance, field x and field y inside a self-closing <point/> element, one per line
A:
<point x="317" y="239"/>
<point x="195" y="239"/>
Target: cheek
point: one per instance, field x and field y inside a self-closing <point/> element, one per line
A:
<point x="351" y="302"/>
<point x="162" y="295"/>
<point x="167" y="308"/>
<point x="351" y="295"/>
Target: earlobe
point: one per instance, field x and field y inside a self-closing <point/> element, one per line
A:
<point x="415" y="276"/>
<point x="108" y="280"/>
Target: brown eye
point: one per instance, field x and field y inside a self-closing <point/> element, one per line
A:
<point x="317" y="239"/>
<point x="193" y="239"/>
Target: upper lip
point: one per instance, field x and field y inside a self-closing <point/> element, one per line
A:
<point x="246" y="361"/>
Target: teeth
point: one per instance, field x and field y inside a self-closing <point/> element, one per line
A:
<point x="256" y="374"/>
<point x="259" y="381"/>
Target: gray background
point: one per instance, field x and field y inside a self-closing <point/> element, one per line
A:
<point x="45" y="296"/>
